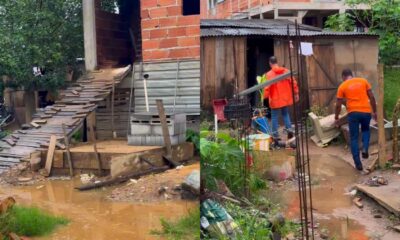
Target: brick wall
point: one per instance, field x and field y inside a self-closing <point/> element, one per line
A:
<point x="113" y="41"/>
<point x="166" y="33"/>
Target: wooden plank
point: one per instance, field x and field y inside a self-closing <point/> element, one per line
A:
<point x="79" y="116"/>
<point x="50" y="112"/>
<point x="381" y="124"/>
<point x="167" y="139"/>
<point x="66" y="141"/>
<point x="75" y="92"/>
<point x="14" y="136"/>
<point x="40" y="121"/>
<point x="10" y="142"/>
<point x="35" y="125"/>
<point x="386" y="195"/>
<point x="9" y="159"/>
<point x="50" y="154"/>
<point x="97" y="155"/>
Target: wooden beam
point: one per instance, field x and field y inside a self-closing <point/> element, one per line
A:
<point x="122" y="178"/>
<point x="66" y="141"/>
<point x="112" y="109"/>
<point x="97" y="155"/>
<point x="381" y="123"/>
<point x="396" y="131"/>
<point x="50" y="154"/>
<point x="167" y="140"/>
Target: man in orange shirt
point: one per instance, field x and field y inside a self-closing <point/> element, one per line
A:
<point x="360" y="102"/>
<point x="280" y="97"/>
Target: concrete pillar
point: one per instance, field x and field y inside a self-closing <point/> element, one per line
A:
<point x="89" y="29"/>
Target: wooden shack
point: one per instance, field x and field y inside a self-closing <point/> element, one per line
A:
<point x="235" y="52"/>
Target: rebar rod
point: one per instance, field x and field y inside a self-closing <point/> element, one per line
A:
<point x="298" y="163"/>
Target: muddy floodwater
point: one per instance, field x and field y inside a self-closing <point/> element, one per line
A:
<point x="92" y="216"/>
<point x="332" y="177"/>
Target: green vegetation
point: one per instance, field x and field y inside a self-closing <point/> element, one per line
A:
<point x="29" y="221"/>
<point x="46" y="34"/>
<point x="392" y="86"/>
<point x="186" y="228"/>
<point x="222" y="158"/>
<point x="383" y="19"/>
<point x="254" y="224"/>
<point x="193" y="137"/>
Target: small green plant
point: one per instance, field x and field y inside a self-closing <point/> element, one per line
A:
<point x="194" y="137"/>
<point x="77" y="137"/>
<point x="186" y="228"/>
<point x="388" y="165"/>
<point x="29" y="221"/>
<point x="222" y="158"/>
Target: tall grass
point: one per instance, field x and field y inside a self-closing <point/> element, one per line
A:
<point x="392" y="93"/>
<point x="29" y="221"/>
<point x="186" y="228"/>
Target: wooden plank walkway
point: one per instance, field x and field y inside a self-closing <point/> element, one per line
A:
<point x="73" y="106"/>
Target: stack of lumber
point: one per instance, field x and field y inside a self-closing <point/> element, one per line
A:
<point x="72" y="108"/>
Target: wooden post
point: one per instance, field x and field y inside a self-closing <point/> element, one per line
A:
<point x="112" y="109"/>
<point x="163" y="120"/>
<point x="396" y="131"/>
<point x="66" y="141"/>
<point x="167" y="139"/>
<point x="381" y="124"/>
<point x="97" y="155"/>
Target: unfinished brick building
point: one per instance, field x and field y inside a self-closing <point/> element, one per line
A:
<point x="311" y="12"/>
<point x="156" y="36"/>
<point x="161" y="39"/>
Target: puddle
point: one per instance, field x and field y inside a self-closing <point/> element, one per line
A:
<point x="331" y="178"/>
<point x="92" y="216"/>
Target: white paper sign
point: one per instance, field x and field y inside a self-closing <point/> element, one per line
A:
<point x="306" y="48"/>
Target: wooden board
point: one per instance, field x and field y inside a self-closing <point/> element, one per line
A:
<point x="50" y="154"/>
<point x="224" y="66"/>
<point x="387" y="195"/>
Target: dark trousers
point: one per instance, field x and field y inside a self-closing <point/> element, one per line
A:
<point x="355" y="120"/>
<point x="266" y="104"/>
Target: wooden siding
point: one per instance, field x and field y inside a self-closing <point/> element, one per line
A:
<point x="223" y="68"/>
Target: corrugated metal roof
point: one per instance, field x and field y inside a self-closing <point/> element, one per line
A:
<point x="264" y="27"/>
<point x="252" y="23"/>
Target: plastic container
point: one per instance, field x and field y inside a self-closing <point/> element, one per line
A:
<point x="260" y="142"/>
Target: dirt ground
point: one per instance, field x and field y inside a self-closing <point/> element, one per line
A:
<point x="20" y="175"/>
<point x="335" y="214"/>
<point x="153" y="188"/>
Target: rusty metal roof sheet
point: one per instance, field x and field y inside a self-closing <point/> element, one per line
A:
<point x="266" y="27"/>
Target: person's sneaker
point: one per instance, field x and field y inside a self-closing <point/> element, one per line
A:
<point x="365" y="155"/>
<point x="359" y="168"/>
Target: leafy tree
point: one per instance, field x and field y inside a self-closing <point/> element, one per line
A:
<point x="44" y="33"/>
<point x="383" y="18"/>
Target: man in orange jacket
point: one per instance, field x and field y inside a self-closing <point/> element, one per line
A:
<point x="280" y="97"/>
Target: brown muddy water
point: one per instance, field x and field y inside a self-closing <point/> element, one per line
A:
<point x="92" y="216"/>
<point x="331" y="178"/>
